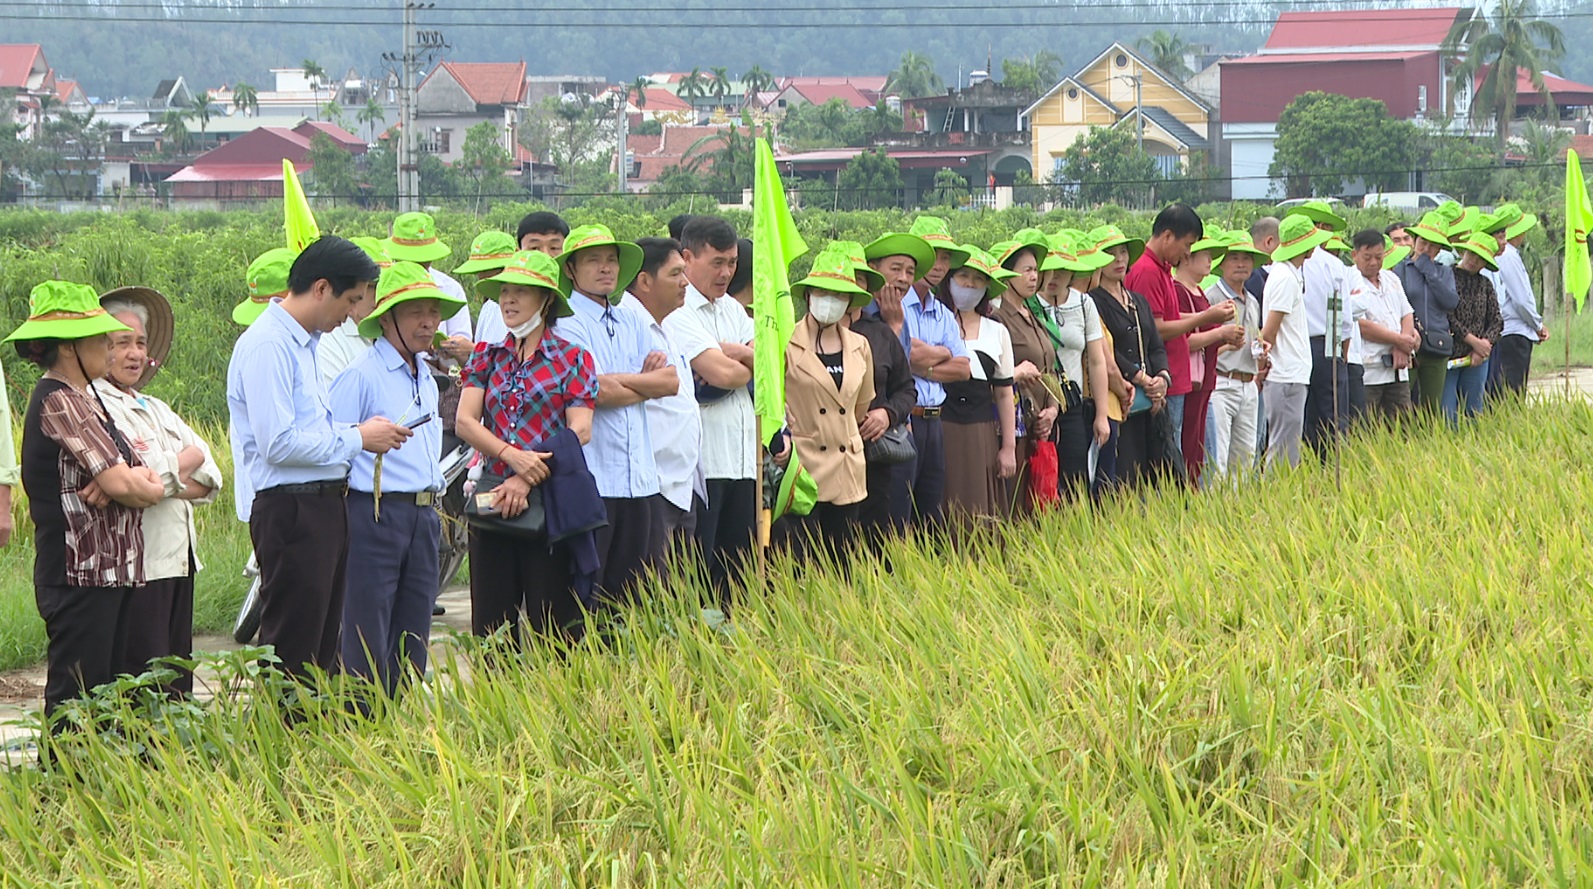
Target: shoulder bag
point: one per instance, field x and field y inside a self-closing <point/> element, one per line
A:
<point x="530" y="524"/>
<point x="895" y="446"/>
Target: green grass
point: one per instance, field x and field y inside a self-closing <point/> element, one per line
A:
<point x="1387" y="685"/>
<point x="1551" y="355"/>
<point x="218" y="589"/>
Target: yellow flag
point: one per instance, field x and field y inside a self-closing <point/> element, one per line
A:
<point x="775" y="242"/>
<point x="297" y="220"/>
<point x="1578" y="271"/>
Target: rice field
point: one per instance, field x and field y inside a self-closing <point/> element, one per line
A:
<point x="1284" y="684"/>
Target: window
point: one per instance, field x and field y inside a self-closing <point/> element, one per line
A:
<point x="1168" y="163"/>
<point x="1073" y="92"/>
<point x="1121" y="61"/>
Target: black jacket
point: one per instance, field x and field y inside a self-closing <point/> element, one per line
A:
<point x="573" y="507"/>
<point x="893" y="376"/>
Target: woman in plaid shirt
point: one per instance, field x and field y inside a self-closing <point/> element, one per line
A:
<point x="516" y="394"/>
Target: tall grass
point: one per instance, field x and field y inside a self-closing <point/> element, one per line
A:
<point x="218" y="589"/>
<point x="1285" y="684"/>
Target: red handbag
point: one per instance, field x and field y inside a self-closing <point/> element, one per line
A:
<point x="1044" y="475"/>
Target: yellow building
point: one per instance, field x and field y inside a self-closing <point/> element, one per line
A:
<point x="1119" y="88"/>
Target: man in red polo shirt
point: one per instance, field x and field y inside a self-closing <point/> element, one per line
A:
<point x="1176" y="227"/>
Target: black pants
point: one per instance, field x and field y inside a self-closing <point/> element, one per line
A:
<point x="301" y="543"/>
<point x="160" y="623"/>
<point x="1513" y="357"/>
<point x="392" y="583"/>
<point x="725" y="530"/>
<point x="1133" y="451"/>
<point x="828" y="528"/>
<point x="1325" y="417"/>
<point x="1357" y="373"/>
<point x="508" y="574"/>
<point x="874" y="513"/>
<point x="1072" y="436"/>
<point x="626" y="547"/>
<point x="84" y="627"/>
<point x="918" y="487"/>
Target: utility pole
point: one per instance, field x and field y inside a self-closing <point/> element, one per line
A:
<point x="416" y="43"/>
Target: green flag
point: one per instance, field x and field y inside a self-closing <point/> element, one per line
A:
<point x="297" y="220"/>
<point x="1578" y="272"/>
<point x="775" y="243"/>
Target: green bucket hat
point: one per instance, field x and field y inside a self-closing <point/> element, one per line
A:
<point x="1320" y="213"/>
<point x="936" y="232"/>
<point x="980" y="261"/>
<point x="1526" y="223"/>
<point x="1395" y="255"/>
<point x="1089" y="256"/>
<point x="853" y="250"/>
<point x="1062" y="254"/>
<point x="834" y="271"/>
<point x="1482" y="244"/>
<point x="1335" y="243"/>
<point x="1449" y="211"/>
<point x="585" y="237"/>
<point x="1433" y="228"/>
<point x="402" y="282"/>
<point x="896" y="244"/>
<point x="61" y="310"/>
<point x="1238" y="241"/>
<point x="268" y="278"/>
<point x="1465" y="222"/>
<point x="1503" y="216"/>
<point x="1214" y="240"/>
<point x="374" y="249"/>
<point x="1298" y="235"/>
<point x="1105" y="237"/>
<point x="1032" y="238"/>
<point x="414" y="239"/>
<point x="489" y="252"/>
<point x="531" y="268"/>
<point x="798" y="492"/>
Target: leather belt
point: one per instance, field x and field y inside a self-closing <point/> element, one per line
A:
<point x="422" y="498"/>
<point x="928" y="413"/>
<point x="1239" y="375"/>
<point x="312" y="489"/>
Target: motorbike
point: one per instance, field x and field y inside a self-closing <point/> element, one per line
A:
<point x="451" y="548"/>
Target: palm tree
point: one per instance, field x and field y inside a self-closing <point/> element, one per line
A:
<point x="246" y="98"/>
<point x="316" y="75"/>
<point x="914" y="77"/>
<point x="755" y="81"/>
<point x="1513" y="39"/>
<point x="637" y="92"/>
<point x="693" y="85"/>
<point x="174" y="130"/>
<point x="372" y="114"/>
<point x="199" y="110"/>
<point x="1166" y="52"/>
<point x="719" y="84"/>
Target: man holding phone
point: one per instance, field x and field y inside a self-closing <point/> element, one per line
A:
<point x="393" y="525"/>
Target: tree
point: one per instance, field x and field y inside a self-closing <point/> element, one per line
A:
<point x="246" y="99"/>
<point x="1107" y="166"/>
<point x="755" y="81"/>
<point x="1496" y="47"/>
<point x="66" y="152"/>
<point x="199" y="110"/>
<point x="316" y="75"/>
<point x="951" y="189"/>
<point x="333" y="112"/>
<point x="637" y="92"/>
<point x="566" y="134"/>
<point x="372" y="114"/>
<point x="485" y="162"/>
<point x="693" y="85"/>
<point x="1166" y="52"/>
<point x="1325" y="140"/>
<point x="1034" y="74"/>
<point x="729" y="166"/>
<point x="872" y="180"/>
<point x="914" y="77"/>
<point x="174" y="131"/>
<point x="332" y="174"/>
<point x="719" y="83"/>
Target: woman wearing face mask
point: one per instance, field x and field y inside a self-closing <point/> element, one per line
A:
<point x="979" y="415"/>
<point x="518" y="394"/>
<point x="1075" y="328"/>
<point x="1140" y="356"/>
<point x="1033" y="354"/>
<point x="829" y="385"/>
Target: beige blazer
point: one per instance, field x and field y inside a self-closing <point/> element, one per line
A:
<point x="823" y="420"/>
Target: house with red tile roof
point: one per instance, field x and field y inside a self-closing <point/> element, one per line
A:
<point x="249" y="168"/>
<point x="1393" y="55"/>
<point x="25" y="79"/>
<point x="808" y="93"/>
<point x="651" y="156"/>
<point x="456" y="96"/>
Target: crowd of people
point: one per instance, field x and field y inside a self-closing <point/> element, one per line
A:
<point x="606" y="387"/>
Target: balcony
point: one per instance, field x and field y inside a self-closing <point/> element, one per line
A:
<point x="953" y="140"/>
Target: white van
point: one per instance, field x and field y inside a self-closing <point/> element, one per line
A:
<point x="1416" y="201"/>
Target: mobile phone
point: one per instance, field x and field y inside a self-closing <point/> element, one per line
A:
<point x="1388" y="360"/>
<point x="419" y="423"/>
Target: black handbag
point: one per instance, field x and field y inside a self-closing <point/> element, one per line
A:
<point x="1438" y="343"/>
<point x="895" y="446"/>
<point x="530" y="524"/>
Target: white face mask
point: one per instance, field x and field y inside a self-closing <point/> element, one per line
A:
<point x="522" y="331"/>
<point x="828" y="309"/>
<point x="966" y="298"/>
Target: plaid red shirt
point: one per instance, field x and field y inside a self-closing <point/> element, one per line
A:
<point x="525" y="400"/>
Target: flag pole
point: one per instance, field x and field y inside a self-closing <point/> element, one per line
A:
<point x="1567" y="310"/>
<point x="763" y="522"/>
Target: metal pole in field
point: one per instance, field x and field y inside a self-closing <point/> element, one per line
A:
<point x="406" y="112"/>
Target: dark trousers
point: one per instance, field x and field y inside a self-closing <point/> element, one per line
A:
<point x="1325" y="417"/>
<point x="509" y="574"/>
<point x="392" y="584"/>
<point x="301" y="543"/>
<point x="828" y="528"/>
<point x="1357" y="374"/>
<point x="874" y="513"/>
<point x="1133" y="450"/>
<point x="675" y="530"/>
<point x="626" y="547"/>
<point x="160" y="623"/>
<point x="1106" y="461"/>
<point x="1513" y="357"/>
<point x="918" y="487"/>
<point x="84" y="627"/>
<point x="1072" y="437"/>
<point x="725" y="529"/>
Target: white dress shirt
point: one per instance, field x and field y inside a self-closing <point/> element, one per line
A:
<point x="675" y="421"/>
<point x="729" y="426"/>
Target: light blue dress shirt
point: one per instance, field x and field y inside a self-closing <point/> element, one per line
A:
<point x="282" y="428"/>
<point x="620" y="453"/>
<point x="1517" y="304"/>
<point x="933" y="323"/>
<point x="380" y="384"/>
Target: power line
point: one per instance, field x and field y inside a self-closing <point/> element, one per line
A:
<point x="1197" y="5"/>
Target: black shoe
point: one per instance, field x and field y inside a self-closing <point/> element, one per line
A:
<point x="438" y="610"/>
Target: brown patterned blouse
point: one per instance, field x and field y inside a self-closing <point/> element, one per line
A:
<point x="1477" y="313"/>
